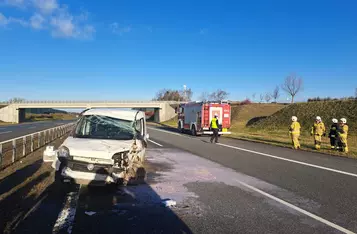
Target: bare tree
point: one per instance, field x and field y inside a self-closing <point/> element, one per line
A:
<point x="356" y="93"/>
<point x="292" y="85"/>
<point x="276" y="93"/>
<point x="187" y="94"/>
<point x="219" y="95"/>
<point x="173" y="95"/>
<point x="253" y="96"/>
<point x="261" y="98"/>
<point x="204" y="97"/>
<point x="267" y="97"/>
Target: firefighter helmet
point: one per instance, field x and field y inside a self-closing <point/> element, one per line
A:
<point x="334" y="121"/>
<point x="294" y="118"/>
<point x="318" y="118"/>
<point x="343" y="120"/>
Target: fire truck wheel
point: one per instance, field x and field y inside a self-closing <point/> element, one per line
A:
<point x="193" y="131"/>
<point x="180" y="127"/>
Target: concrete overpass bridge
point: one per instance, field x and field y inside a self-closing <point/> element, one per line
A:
<point x="15" y="112"/>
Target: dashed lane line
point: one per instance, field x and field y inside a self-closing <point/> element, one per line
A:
<point x="155" y="143"/>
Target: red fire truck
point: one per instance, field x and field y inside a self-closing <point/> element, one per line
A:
<point x="196" y="117"/>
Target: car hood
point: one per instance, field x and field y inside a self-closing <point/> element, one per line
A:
<point x="96" y="148"/>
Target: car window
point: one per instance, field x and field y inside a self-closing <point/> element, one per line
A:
<point x="104" y="127"/>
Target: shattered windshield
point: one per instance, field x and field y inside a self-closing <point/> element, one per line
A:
<point x="104" y="127"/>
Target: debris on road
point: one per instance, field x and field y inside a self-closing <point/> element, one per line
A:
<point x="169" y="202"/>
<point x="90" y="213"/>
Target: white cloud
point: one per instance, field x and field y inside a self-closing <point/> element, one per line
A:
<point x="52" y="16"/>
<point x="67" y="26"/>
<point x="37" y="21"/>
<point x="46" y="6"/>
<point x="4" y="21"/>
<point x="16" y="3"/>
<point x="117" y="29"/>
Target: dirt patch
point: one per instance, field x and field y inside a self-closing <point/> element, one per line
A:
<point x="22" y="186"/>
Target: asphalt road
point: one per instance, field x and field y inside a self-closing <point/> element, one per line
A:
<point x="12" y="131"/>
<point x="232" y="187"/>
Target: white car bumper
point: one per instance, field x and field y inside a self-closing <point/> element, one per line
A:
<point x="87" y="176"/>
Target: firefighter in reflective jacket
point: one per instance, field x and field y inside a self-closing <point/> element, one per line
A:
<point x="215" y="128"/>
<point x="294" y="132"/>
<point x="343" y="133"/>
<point x="318" y="130"/>
<point x="333" y="135"/>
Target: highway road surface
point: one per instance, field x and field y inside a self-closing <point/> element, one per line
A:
<point x="232" y="187"/>
<point x="17" y="130"/>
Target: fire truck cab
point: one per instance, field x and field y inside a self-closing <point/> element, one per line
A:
<point x="196" y="117"/>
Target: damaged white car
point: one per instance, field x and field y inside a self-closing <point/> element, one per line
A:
<point x="106" y="146"/>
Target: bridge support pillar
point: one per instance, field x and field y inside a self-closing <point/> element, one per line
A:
<point x="10" y="114"/>
<point x="157" y="115"/>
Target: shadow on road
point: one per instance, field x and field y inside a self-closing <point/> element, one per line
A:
<point x="15" y="206"/>
<point x="167" y="128"/>
<point x="18" y="177"/>
<point x="130" y="209"/>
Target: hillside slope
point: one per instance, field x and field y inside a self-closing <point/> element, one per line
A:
<point x="306" y="113"/>
<point x="243" y="115"/>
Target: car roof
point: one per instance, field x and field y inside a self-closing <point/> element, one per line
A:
<point x="115" y="113"/>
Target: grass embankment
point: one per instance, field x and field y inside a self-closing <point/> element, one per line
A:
<point x="269" y="123"/>
<point x="43" y="117"/>
<point x="4" y="123"/>
<point x="274" y="129"/>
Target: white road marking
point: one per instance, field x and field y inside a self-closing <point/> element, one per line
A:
<point x="5" y="132"/>
<point x="291" y="160"/>
<point x="155" y="143"/>
<point x="160" y="130"/>
<point x="322" y="220"/>
<point x="32" y="127"/>
<point x="66" y="216"/>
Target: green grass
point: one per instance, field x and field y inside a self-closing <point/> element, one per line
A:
<point x="42" y="117"/>
<point x="243" y="115"/>
<point x="306" y="113"/>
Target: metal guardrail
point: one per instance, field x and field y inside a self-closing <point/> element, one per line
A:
<point x="14" y="149"/>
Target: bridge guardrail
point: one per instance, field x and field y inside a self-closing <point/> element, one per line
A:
<point x="14" y="149"/>
<point x="88" y="101"/>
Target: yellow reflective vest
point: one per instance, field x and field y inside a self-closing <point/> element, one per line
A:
<point x="214" y="123"/>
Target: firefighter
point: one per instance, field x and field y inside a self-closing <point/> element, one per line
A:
<point x="343" y="133"/>
<point x="318" y="130"/>
<point x="215" y="128"/>
<point x="294" y="132"/>
<point x="333" y="135"/>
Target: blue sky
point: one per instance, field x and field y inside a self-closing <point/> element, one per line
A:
<point x="114" y="49"/>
